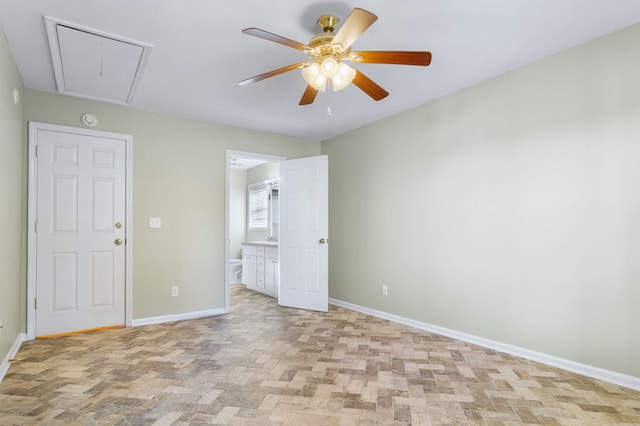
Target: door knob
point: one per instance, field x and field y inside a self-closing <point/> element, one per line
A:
<point x="321" y="240"/>
<point x="118" y="241"/>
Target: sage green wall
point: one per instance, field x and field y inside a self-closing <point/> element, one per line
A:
<point x="12" y="202"/>
<point x="263" y="172"/>
<point x="178" y="175"/>
<point x="509" y="210"/>
<point x="237" y="212"/>
<point x="257" y="174"/>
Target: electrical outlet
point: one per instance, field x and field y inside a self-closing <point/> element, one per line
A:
<point x="385" y="290"/>
<point x="174" y="291"/>
<point x="155" y="222"/>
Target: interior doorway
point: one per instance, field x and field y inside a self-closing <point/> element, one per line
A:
<point x="292" y="264"/>
<point x="251" y="175"/>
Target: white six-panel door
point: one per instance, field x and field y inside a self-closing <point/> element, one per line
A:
<point x="304" y="231"/>
<point x="80" y="232"/>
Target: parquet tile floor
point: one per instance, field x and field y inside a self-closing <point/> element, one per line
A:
<point x="267" y="365"/>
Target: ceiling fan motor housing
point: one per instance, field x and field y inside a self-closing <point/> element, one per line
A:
<point x="328" y="23"/>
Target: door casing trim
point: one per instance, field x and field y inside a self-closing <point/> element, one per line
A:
<point x="34" y="126"/>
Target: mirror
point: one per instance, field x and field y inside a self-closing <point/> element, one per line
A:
<point x="274" y="212"/>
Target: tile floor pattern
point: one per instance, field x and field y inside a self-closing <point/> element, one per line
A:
<point x="267" y="365"/>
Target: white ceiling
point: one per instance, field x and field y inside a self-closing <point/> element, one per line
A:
<point x="242" y="163"/>
<point x="200" y="54"/>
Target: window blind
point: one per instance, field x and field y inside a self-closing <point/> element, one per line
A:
<point x="258" y="206"/>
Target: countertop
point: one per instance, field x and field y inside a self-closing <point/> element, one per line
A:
<point x="262" y="243"/>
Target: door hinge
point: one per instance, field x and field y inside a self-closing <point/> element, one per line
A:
<point x="36" y="226"/>
<point x="35" y="303"/>
<point x="36" y="150"/>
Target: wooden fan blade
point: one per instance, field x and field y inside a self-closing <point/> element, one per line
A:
<point x="272" y="73"/>
<point x="397" y="58"/>
<point x="257" y="32"/>
<point x="308" y="96"/>
<point x="356" y="24"/>
<point x="369" y="86"/>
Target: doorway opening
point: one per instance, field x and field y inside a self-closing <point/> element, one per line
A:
<point x="252" y="222"/>
<point x="294" y="269"/>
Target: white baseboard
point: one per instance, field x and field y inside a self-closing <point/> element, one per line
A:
<point x="4" y="367"/>
<point x="576" y="367"/>
<point x="178" y="317"/>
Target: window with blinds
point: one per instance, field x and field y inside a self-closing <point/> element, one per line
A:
<point x="258" y="206"/>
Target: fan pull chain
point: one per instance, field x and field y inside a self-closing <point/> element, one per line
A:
<point x="329" y="112"/>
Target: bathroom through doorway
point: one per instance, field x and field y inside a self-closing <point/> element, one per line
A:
<point x="252" y="222"/>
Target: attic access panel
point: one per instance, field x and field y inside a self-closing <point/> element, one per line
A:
<point x="92" y="64"/>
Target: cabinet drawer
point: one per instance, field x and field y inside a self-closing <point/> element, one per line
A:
<point x="249" y="250"/>
<point x="260" y="264"/>
<point x="271" y="252"/>
<point x="260" y="251"/>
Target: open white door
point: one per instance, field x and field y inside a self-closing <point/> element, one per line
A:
<point x="304" y="232"/>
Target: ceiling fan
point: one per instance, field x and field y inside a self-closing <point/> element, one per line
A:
<point x="328" y="53"/>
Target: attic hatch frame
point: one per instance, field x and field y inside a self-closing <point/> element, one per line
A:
<point x="52" y="24"/>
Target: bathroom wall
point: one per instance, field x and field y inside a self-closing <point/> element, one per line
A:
<point x="263" y="172"/>
<point x="237" y="212"/>
<point x="258" y="174"/>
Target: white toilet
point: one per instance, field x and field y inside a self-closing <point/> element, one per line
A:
<point x="235" y="271"/>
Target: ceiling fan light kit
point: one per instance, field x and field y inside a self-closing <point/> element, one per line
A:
<point x="328" y="53"/>
<point x="338" y="74"/>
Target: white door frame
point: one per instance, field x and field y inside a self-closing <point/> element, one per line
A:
<point x="31" y="216"/>
<point x="239" y="154"/>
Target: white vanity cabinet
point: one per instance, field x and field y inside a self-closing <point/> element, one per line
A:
<point x="260" y="269"/>
<point x="248" y="267"/>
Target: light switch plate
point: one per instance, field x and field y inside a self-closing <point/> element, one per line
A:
<point x="155" y="222"/>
